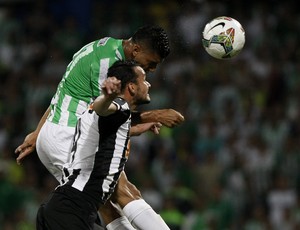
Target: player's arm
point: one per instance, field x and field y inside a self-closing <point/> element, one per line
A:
<point x="138" y="129"/>
<point x="103" y="105"/>
<point x="167" y="117"/>
<point x="29" y="143"/>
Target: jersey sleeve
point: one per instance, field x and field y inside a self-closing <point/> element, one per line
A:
<point x="121" y="104"/>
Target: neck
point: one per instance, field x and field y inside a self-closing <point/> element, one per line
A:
<point x="127" y="47"/>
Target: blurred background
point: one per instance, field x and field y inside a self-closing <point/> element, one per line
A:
<point x="233" y="164"/>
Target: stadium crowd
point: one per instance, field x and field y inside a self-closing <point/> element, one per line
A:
<point x="233" y="164"/>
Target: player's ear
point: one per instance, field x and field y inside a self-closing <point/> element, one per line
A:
<point x="132" y="88"/>
<point x="136" y="49"/>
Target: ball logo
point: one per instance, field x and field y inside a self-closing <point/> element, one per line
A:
<point x="219" y="24"/>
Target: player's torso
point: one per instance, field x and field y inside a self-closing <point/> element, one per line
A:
<point x="100" y="151"/>
<point x="82" y="80"/>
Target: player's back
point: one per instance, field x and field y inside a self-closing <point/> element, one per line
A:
<point x="82" y="80"/>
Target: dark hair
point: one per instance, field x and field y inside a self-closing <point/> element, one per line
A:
<point x="155" y="38"/>
<point x="124" y="71"/>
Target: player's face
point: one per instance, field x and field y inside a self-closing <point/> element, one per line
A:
<point x="147" y="60"/>
<point x="142" y="94"/>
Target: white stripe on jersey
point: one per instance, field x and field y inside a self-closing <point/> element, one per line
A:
<point x="106" y="185"/>
<point x="86" y="50"/>
<point x="118" y="54"/>
<point x="87" y="145"/>
<point x="64" y="107"/>
<point x="54" y="101"/>
<point x="115" y="162"/>
<point x="119" y="148"/>
<point x="104" y="65"/>
<point x="51" y="114"/>
<point x="82" y="106"/>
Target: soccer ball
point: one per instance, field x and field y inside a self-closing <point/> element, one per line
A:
<point x="223" y="37"/>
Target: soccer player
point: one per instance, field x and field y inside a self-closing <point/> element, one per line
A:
<point x="80" y="84"/>
<point x="99" y="152"/>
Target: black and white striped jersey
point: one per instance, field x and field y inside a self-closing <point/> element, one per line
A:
<point x="99" y="153"/>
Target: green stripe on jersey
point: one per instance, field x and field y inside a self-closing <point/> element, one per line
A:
<point x="83" y="78"/>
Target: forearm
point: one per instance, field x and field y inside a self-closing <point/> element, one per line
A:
<point x="103" y="105"/>
<point x="145" y="116"/>
<point x="150" y="116"/>
<point x="138" y="129"/>
<point x="168" y="117"/>
<point x="28" y="146"/>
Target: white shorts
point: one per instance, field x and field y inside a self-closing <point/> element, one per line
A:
<point x="53" y="147"/>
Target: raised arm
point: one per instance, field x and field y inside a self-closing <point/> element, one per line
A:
<point x="103" y="104"/>
<point x="29" y="143"/>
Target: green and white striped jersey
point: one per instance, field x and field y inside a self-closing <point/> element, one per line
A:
<point x="82" y="80"/>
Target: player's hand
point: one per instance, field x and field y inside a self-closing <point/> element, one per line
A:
<point x="155" y="128"/>
<point x="169" y="117"/>
<point x="111" y="87"/>
<point x="27" y="147"/>
<point x="138" y="129"/>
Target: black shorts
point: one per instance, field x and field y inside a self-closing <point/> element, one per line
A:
<point x="65" y="209"/>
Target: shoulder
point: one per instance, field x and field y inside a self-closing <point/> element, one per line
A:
<point x="109" y="47"/>
<point x="121" y="104"/>
<point x="108" y="41"/>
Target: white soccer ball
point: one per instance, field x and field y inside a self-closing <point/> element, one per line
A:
<point x="223" y="37"/>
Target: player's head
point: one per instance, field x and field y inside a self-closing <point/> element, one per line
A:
<point x="133" y="79"/>
<point x="150" y="46"/>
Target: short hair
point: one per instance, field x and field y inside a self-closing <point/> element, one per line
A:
<point x="155" y="38"/>
<point x="123" y="71"/>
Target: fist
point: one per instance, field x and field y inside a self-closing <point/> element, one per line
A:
<point x="111" y="86"/>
